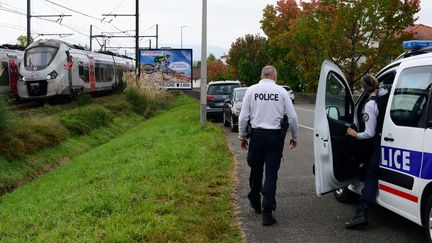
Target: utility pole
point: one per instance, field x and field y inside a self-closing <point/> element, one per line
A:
<point x="157" y="36"/>
<point x="137" y="51"/>
<point x="91" y="36"/>
<point x="203" y="84"/>
<point x="29" y="16"/>
<point x="28" y="23"/>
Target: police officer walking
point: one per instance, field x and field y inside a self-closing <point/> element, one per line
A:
<point x="264" y="106"/>
<point x="374" y="119"/>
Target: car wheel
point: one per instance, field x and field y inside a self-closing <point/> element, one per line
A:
<point x="345" y="195"/>
<point x="232" y="126"/>
<point x="427" y="219"/>
<point x="225" y="121"/>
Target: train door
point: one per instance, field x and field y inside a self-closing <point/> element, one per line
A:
<point x="92" y="75"/>
<point x="13" y="76"/>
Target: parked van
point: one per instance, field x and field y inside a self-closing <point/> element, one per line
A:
<point x="405" y="183"/>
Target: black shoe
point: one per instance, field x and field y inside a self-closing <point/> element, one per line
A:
<point x="268" y="219"/>
<point x="359" y="219"/>
<point x="256" y="205"/>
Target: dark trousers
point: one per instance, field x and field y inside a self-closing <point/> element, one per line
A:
<point x="265" y="148"/>
<point x="371" y="181"/>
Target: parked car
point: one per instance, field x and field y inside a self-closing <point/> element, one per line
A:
<point x="217" y="92"/>
<point x="232" y="108"/>
<point x="290" y="92"/>
<point x="405" y="174"/>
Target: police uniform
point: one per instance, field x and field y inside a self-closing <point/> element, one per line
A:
<point x="372" y="131"/>
<point x="374" y="119"/>
<point x="264" y="106"/>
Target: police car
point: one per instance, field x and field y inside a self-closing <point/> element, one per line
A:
<point x="405" y="185"/>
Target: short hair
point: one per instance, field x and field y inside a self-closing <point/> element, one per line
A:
<point x="268" y="72"/>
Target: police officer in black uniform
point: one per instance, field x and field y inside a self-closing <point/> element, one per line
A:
<point x="264" y="106"/>
<point x="374" y="119"/>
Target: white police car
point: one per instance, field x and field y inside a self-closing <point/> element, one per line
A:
<point x="405" y="185"/>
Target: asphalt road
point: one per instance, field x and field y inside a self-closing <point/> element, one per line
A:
<point x="302" y="215"/>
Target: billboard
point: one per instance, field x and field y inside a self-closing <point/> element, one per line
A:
<point x="168" y="68"/>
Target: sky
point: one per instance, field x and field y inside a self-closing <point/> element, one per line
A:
<point x="227" y="20"/>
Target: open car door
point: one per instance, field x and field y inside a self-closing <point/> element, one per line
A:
<point x="335" y="166"/>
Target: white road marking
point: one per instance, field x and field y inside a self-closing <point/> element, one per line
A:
<point x="310" y="128"/>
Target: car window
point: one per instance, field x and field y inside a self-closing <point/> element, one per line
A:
<point x="411" y="96"/>
<point x="335" y="97"/>
<point x="239" y="95"/>
<point x="221" y="89"/>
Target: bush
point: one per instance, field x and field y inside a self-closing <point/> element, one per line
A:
<point x="145" y="96"/>
<point x="83" y="120"/>
<point x="27" y="135"/>
<point x="4" y="118"/>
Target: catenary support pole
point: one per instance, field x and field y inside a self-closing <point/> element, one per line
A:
<point x="203" y="88"/>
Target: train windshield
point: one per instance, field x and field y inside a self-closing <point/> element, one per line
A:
<point x="38" y="58"/>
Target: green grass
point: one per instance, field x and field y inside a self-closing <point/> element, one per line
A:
<point x="165" y="180"/>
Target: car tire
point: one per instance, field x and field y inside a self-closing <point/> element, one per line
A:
<point x="232" y="126"/>
<point x="427" y="219"/>
<point x="345" y="195"/>
<point x="225" y="122"/>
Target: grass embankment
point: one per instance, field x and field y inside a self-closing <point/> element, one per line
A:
<point x="164" y="180"/>
<point x="70" y="129"/>
<point x="37" y="141"/>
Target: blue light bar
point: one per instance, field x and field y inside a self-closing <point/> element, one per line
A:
<point x="416" y="44"/>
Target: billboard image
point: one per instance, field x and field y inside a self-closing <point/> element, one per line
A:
<point x="170" y="68"/>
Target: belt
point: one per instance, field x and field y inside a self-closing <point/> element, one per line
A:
<point x="262" y="130"/>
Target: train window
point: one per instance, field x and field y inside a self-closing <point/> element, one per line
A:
<point x="4" y="74"/>
<point x="38" y="58"/>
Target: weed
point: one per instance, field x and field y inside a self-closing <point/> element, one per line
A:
<point x="144" y="96"/>
<point x="26" y="136"/>
<point x="4" y="116"/>
<point x="83" y="120"/>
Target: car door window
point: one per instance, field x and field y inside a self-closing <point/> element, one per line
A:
<point x="335" y="98"/>
<point x="411" y="96"/>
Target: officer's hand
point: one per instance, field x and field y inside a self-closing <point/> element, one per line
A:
<point x="351" y="132"/>
<point x="293" y="143"/>
<point x="244" y="144"/>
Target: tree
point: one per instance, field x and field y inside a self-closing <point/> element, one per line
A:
<point x="217" y="70"/>
<point x="359" y="36"/>
<point x="22" y="40"/>
<point x="248" y="55"/>
<point x="211" y="57"/>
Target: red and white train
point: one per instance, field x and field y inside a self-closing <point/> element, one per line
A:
<point x="53" y="67"/>
<point x="10" y="58"/>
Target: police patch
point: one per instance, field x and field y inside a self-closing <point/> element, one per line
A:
<point x="365" y="117"/>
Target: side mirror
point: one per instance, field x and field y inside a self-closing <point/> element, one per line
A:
<point x="227" y="100"/>
<point x="333" y="112"/>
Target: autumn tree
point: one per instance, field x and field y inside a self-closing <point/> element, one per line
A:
<point x="22" y="40"/>
<point x="217" y="70"/>
<point x="359" y="36"/>
<point x="248" y="56"/>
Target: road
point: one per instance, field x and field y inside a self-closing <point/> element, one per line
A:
<point x="302" y="215"/>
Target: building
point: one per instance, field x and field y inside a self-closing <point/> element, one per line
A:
<point x="420" y="31"/>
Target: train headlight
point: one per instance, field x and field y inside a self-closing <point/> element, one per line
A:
<point x="52" y="75"/>
<point x="21" y="79"/>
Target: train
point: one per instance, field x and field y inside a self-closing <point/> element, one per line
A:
<point x="10" y="59"/>
<point x="53" y="67"/>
